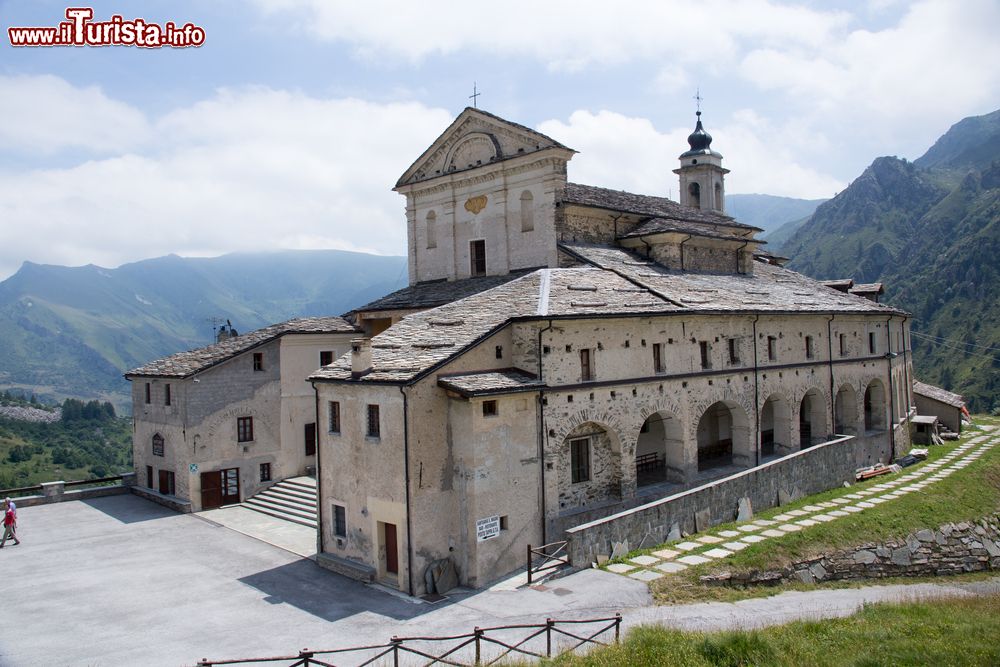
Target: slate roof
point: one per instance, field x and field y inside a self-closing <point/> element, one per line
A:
<point x="868" y="288"/>
<point x="663" y="225"/>
<point x="644" y="205"/>
<point x="184" y="364"/>
<point x="840" y="284"/>
<point x="432" y="293"/>
<point x="506" y="381"/>
<point x="938" y="394"/>
<point x="770" y="288"/>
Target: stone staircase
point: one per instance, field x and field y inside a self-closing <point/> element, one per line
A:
<point x="292" y="499"/>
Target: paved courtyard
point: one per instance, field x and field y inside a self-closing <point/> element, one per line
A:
<point x="123" y="581"/>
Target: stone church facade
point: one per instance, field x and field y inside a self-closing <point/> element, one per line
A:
<point x="565" y="351"/>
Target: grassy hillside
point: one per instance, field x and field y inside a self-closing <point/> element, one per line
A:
<point x="930" y="230"/>
<point x="72" y="332"/>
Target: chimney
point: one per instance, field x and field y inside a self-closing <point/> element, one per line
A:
<point x="361" y="356"/>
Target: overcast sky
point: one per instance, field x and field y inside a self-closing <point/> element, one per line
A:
<point x="288" y="127"/>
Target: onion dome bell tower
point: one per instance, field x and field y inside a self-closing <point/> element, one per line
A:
<point x="702" y="176"/>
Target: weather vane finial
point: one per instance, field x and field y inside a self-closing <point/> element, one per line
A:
<point x="474" y="95"/>
<point x="698" y="98"/>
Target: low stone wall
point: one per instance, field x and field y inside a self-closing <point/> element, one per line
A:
<point x="801" y="473"/>
<point x="56" y="492"/>
<point x="951" y="549"/>
<point x="172" y="502"/>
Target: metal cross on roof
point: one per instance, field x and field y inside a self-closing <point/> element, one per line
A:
<point x="698" y="98"/>
<point x="474" y="95"/>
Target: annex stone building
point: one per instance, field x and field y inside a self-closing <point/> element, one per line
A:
<point x="216" y="425"/>
<point x="565" y="352"/>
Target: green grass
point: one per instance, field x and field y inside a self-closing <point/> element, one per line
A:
<point x="954" y="631"/>
<point x="967" y="495"/>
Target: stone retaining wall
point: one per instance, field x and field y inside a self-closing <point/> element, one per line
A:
<point x="951" y="549"/>
<point x="56" y="492"/>
<point x="802" y="473"/>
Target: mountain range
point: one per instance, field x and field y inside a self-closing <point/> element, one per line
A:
<point x="930" y="230"/>
<point x="72" y="331"/>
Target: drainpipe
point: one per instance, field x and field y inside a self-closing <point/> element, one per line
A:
<point x="319" y="476"/>
<point x="541" y="433"/>
<point x="892" y="392"/>
<point x="833" y="395"/>
<point x="406" y="478"/>
<point x="756" y="392"/>
<point x="908" y="385"/>
<point x="682" y="251"/>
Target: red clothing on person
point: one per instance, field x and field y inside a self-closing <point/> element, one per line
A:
<point x="8" y="517"/>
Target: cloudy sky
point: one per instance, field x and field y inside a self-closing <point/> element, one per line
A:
<point x="288" y="127"/>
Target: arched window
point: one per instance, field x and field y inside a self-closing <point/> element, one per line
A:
<point x="694" y="191"/>
<point x="431" y="230"/>
<point x="719" y="204"/>
<point x="157" y="445"/>
<point x="527" y="211"/>
<point x="875" y="407"/>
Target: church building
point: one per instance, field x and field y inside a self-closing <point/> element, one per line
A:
<point x="564" y="352"/>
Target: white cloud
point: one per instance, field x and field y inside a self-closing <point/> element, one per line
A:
<point x="564" y="34"/>
<point x="45" y="114"/>
<point x="626" y="153"/>
<point x="248" y="169"/>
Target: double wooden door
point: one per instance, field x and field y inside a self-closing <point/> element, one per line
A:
<point x="220" y="487"/>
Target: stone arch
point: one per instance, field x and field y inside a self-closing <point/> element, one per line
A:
<point x="527" y="211"/>
<point x="723" y="436"/>
<point x="659" y="450"/>
<point x="845" y="410"/>
<point x="719" y="203"/>
<point x="875" y="419"/>
<point x="813" y="412"/>
<point x="588" y="461"/>
<point x="474" y="149"/>
<point x="694" y="195"/>
<point x="775" y="425"/>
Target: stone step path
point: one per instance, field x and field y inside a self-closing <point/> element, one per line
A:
<point x="720" y="544"/>
<point x="292" y="499"/>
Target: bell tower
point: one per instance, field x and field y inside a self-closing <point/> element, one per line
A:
<point x="702" y="176"/>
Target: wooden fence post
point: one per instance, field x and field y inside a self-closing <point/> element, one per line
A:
<point x="395" y="650"/>
<point x="529" y="564"/>
<point x="548" y="637"/>
<point x="479" y="655"/>
<point x="618" y="626"/>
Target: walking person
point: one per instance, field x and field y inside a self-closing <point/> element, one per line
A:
<point x="9" y="523"/>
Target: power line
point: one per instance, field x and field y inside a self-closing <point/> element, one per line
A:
<point x="965" y="351"/>
<point x="947" y="340"/>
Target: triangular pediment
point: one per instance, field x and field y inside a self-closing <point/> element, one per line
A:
<point x="474" y="139"/>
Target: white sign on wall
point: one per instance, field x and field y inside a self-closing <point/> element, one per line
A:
<point x="487" y="528"/>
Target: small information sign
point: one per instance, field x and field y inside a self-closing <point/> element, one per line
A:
<point x="487" y="528"/>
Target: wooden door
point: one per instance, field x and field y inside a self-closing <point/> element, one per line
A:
<point x="211" y="489"/>
<point x="391" y="548"/>
<point x="230" y="479"/>
<point x="166" y="482"/>
<point x="311" y="439"/>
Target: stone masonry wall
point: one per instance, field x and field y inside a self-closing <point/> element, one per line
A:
<point x="803" y="473"/>
<point x="950" y="549"/>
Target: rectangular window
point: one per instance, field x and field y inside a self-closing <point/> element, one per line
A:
<point x="810" y="353"/>
<point x="334" y="414"/>
<point x="489" y="408"/>
<point x="373" y="424"/>
<point x="580" y="459"/>
<point x="244" y="429"/>
<point x="871" y="342"/>
<point x="706" y="354"/>
<point x="258" y="361"/>
<point x="477" y="257"/>
<point x="325" y="357"/>
<point x="499" y="352"/>
<point x="149" y="477"/>
<point x="310" y="438"/>
<point x="586" y="366"/>
<point x="265" y="472"/>
<point x="166" y="394"/>
<point x="657" y="357"/>
<point x="772" y="348"/>
<point x="734" y="351"/>
<point x="843" y="345"/>
<point x="339" y="520"/>
<point x="149" y="393"/>
<point x="503" y="522"/>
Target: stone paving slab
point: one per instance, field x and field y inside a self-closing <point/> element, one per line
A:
<point x="748" y="528"/>
<point x="773" y="532"/>
<point x="797" y="513"/>
<point x="754" y="539"/>
<point x="666" y="554"/>
<point x="853" y="508"/>
<point x="807" y="522"/>
<point x="693" y="560"/>
<point x="812" y="508"/>
<point x="718" y="553"/>
<point x="823" y="517"/>
<point x="687" y="546"/>
<point x="839" y="513"/>
<point x="671" y="568"/>
<point x="736" y="546"/>
<point x="784" y="517"/>
<point x="764" y="523"/>
<point x="645" y="575"/>
<point x="620" y="568"/>
<point x="789" y="527"/>
<point x="644" y="560"/>
<point x="709" y="539"/>
<point x="729" y="533"/>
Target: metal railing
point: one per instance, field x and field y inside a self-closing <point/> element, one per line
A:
<point x="550" y="561"/>
<point x="478" y="643"/>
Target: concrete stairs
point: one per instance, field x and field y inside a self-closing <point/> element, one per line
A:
<point x="292" y="499"/>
